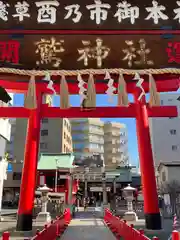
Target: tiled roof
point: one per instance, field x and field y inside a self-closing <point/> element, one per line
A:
<point x="53" y="161"/>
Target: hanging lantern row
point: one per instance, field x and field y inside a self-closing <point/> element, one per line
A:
<point x="87" y="91"/>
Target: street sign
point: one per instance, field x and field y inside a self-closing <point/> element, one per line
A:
<point x="9" y="168"/>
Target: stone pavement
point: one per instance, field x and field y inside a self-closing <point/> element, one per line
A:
<point x="9" y="224"/>
<point x="9" y="211"/>
<point x="87" y="226"/>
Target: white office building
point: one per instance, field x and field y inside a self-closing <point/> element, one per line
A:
<point x="165" y="133"/>
<point x="5" y="130"/>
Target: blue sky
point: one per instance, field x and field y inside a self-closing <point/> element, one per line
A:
<point x="102" y="100"/>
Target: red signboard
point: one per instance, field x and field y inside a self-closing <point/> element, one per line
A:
<point x="9" y="51"/>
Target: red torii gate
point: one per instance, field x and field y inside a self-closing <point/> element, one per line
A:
<point x="114" y="35"/>
<point x="139" y="110"/>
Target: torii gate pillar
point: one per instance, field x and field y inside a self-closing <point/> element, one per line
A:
<point x="29" y="172"/>
<point x="151" y="206"/>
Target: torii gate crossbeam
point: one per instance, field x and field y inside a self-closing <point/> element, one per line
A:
<point x="139" y="110"/>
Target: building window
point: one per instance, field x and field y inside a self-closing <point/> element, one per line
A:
<point x="163" y="176"/>
<point x="17" y="176"/>
<point x="43" y="145"/>
<point x="64" y="135"/>
<point x="94" y="146"/>
<point x="173" y="131"/>
<point x="174" y="147"/>
<point x="45" y="120"/>
<point x="161" y="102"/>
<point x="44" y="132"/>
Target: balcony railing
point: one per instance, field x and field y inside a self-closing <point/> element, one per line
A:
<point x="96" y="140"/>
<point x="96" y="131"/>
<point x="96" y="150"/>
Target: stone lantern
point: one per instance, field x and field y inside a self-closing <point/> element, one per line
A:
<point x="44" y="216"/>
<point x="130" y="215"/>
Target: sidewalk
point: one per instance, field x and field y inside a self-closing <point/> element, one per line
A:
<point x="6" y="212"/>
<point x="86" y="226"/>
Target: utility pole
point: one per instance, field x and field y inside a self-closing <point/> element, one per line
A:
<point x="104" y="185"/>
<point x="3" y="176"/>
<point x="70" y="188"/>
<point x="86" y="182"/>
<point x="56" y="176"/>
<point x="114" y="184"/>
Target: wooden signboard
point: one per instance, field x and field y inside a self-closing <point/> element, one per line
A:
<point x="89" y="14"/>
<point x="76" y="50"/>
<point x="89" y="51"/>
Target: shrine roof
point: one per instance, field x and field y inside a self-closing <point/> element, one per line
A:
<point x="51" y="161"/>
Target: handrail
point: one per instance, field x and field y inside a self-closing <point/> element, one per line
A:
<point x="50" y="231"/>
<point x="121" y="229"/>
<point x="175" y="235"/>
<point x="55" y="228"/>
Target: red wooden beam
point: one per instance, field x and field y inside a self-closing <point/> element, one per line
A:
<point x="86" y="32"/>
<point x="107" y="112"/>
<point x="165" y="111"/>
<point x="21" y="87"/>
<point x="14" y="112"/>
<point x="99" y="112"/>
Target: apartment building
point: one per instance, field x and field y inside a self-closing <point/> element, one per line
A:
<point x="94" y="137"/>
<point x="115" y="144"/>
<point x="165" y="133"/>
<point x="55" y="137"/>
<point x="88" y="138"/>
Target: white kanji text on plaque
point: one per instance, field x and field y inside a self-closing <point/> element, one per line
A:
<point x="73" y="10"/>
<point x="98" y="11"/>
<point x="125" y="10"/>
<point x="177" y="12"/>
<point x="3" y="11"/>
<point x="22" y="9"/>
<point x="47" y="11"/>
<point x="156" y="12"/>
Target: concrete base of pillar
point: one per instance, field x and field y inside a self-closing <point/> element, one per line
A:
<point x="43" y="217"/>
<point x="130" y="216"/>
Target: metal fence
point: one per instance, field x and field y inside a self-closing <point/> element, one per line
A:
<point x="168" y="211"/>
<point x="53" y="206"/>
